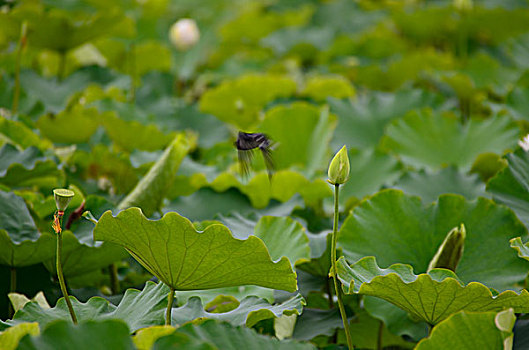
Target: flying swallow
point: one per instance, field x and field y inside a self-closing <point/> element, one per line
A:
<point x="246" y="143"/>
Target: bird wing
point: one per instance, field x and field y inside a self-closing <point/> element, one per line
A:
<point x="267" y="156"/>
<point x="245" y="158"/>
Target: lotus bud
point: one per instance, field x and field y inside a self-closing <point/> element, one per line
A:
<point x="62" y="198"/>
<point x="339" y="168"/>
<point x="184" y="33"/>
<point x="450" y="251"/>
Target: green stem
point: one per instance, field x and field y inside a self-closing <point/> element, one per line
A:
<point x="62" y="65"/>
<point x="61" y="278"/>
<point x="169" y="307"/>
<point x="380" y="335"/>
<point x="12" y="289"/>
<point x="335" y="269"/>
<point x="21" y="45"/>
<point x="132" y="72"/>
<point x="114" y="281"/>
<point x="463" y="38"/>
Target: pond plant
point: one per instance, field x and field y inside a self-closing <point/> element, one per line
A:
<point x="303" y="174"/>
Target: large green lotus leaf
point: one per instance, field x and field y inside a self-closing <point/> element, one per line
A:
<point x="488" y="73"/>
<point x="145" y="339"/>
<point x="361" y="122"/>
<point x="510" y="186"/>
<point x="430" y="185"/>
<point x="108" y="334"/>
<point x="227" y="337"/>
<point x="517" y="49"/>
<point x="61" y="31"/>
<point x="405" y="68"/>
<point x="472" y="330"/>
<point x="152" y="188"/>
<point x="16" y="132"/>
<point x="284" y="237"/>
<point x="239" y="292"/>
<point x="21" y="244"/>
<point x="313" y="126"/>
<point x="315" y="322"/>
<point x="138" y="309"/>
<point x="101" y="163"/>
<point x="11" y="336"/>
<point x="285" y="183"/>
<point x="430" y="297"/>
<point x="186" y="259"/>
<point x="483" y="25"/>
<point x="79" y="257"/>
<point x="248" y="312"/>
<point x="517" y="103"/>
<point x="321" y="87"/>
<point x="395" y="228"/>
<point x="239" y="102"/>
<point x="370" y="171"/>
<point x="74" y="125"/>
<point x="54" y="94"/>
<point x="28" y="168"/>
<point x="367" y="331"/>
<point x="522" y="249"/>
<point x="397" y="320"/>
<point x="432" y="140"/>
<point x="303" y="42"/>
<point x="256" y="22"/>
<point x="192" y="206"/>
<point x="130" y="135"/>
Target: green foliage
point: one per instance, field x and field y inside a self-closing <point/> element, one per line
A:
<point x="441" y="292"/>
<point x="421" y="228"/>
<point x="509" y="186"/>
<point x="177" y="254"/>
<point x="224" y="336"/>
<point x="428" y="98"/>
<point x="137" y="309"/>
<point x="239" y="102"/>
<point x="150" y="191"/>
<point x="63" y="335"/>
<point x="247" y="312"/>
<point x="444" y="141"/>
<point x="468" y="330"/>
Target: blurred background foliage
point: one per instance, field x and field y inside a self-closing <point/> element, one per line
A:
<point x="428" y="96"/>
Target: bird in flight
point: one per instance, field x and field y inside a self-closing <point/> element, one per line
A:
<point x="246" y="143"/>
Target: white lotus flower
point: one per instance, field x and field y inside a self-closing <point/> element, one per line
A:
<point x="524" y="143"/>
<point x="184" y="33"/>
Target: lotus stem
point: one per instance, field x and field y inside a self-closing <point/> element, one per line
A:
<point x="58" y="230"/>
<point x="169" y="307"/>
<point x="62" y="66"/>
<point x="380" y="335"/>
<point x="12" y="289"/>
<point x="20" y="48"/>
<point x="114" y="281"/>
<point x="335" y="269"/>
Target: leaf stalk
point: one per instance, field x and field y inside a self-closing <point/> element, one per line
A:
<point x="335" y="269"/>
<point x="62" y="282"/>
<point x="169" y="307"/>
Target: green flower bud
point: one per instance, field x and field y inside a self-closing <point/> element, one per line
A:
<point x="450" y="251"/>
<point x="339" y="168"/>
<point x="62" y="198"/>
